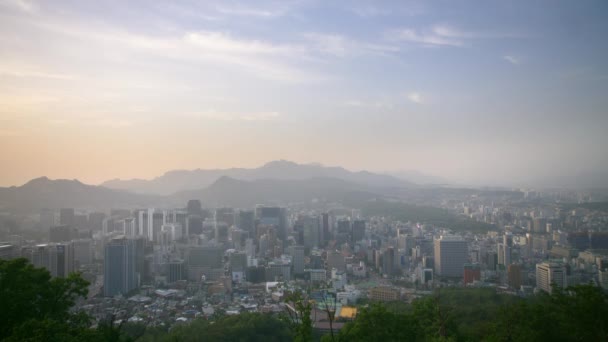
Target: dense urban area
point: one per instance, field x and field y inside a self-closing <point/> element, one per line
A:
<point x="164" y="268"/>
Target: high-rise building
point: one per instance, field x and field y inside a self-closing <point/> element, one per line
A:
<point x="297" y="259"/>
<point x="311" y="231"/>
<point x="8" y="251"/>
<point x="194" y="225"/>
<point x="273" y="216"/>
<point x="246" y="221"/>
<point x="156" y="225"/>
<point x="66" y="216"/>
<point x="142" y="216"/>
<point x="514" y="276"/>
<point x="539" y="225"/>
<point x="358" y="230"/>
<point x="176" y="271"/>
<point x="129" y="228"/>
<point x="58" y="259"/>
<point x="194" y="208"/>
<point x="549" y="273"/>
<point x="388" y="261"/>
<point x="504" y="254"/>
<point x="119" y="267"/>
<point x="225" y="215"/>
<point x="47" y="219"/>
<point x="343" y="232"/>
<point x="96" y="221"/>
<point x="83" y="252"/>
<point x="451" y="253"/>
<point x="325" y="227"/>
<point x="221" y="232"/>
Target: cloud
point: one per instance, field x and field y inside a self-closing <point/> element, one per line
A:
<point x="225" y="43"/>
<point x="368" y="104"/>
<point x="240" y="10"/>
<point x="445" y="35"/>
<point x="427" y="38"/>
<point x="22" y="5"/>
<point x="415" y="97"/>
<point x="234" y="116"/>
<point x="511" y="59"/>
<point x="341" y="46"/>
<point x="369" y="11"/>
<point x="263" y="59"/>
<point x="25" y="72"/>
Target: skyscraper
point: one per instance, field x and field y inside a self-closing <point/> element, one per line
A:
<point x="297" y="259"/>
<point x="119" y="267"/>
<point x="325" y="228"/>
<point x="358" y="230"/>
<point x="246" y="221"/>
<point x="451" y="253"/>
<point x="311" y="231"/>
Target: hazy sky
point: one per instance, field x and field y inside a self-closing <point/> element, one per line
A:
<point x="486" y="91"/>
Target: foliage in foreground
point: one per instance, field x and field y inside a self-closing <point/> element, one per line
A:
<point x="36" y="307"/>
<point x="579" y="313"/>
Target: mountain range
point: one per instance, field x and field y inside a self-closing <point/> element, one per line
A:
<point x="183" y="180"/>
<point x="276" y="182"/>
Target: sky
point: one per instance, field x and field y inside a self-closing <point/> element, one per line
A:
<point x="477" y="92"/>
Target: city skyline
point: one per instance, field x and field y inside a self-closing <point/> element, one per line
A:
<point x="479" y="93"/>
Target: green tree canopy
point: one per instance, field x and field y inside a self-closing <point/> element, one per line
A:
<point x="29" y="295"/>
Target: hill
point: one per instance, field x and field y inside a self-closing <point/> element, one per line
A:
<point x="53" y="194"/>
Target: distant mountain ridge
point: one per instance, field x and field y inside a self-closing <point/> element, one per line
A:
<point x="227" y="191"/>
<point x="183" y="180"/>
<point x="42" y="193"/>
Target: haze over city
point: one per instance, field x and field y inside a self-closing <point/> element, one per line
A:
<point x="303" y="170"/>
<point x="480" y="93"/>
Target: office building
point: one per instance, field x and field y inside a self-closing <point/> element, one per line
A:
<point x="358" y="230"/>
<point x="549" y="274"/>
<point x="176" y="271"/>
<point x="246" y="221"/>
<point x="311" y="231"/>
<point x="451" y="253"/>
<point x="119" y="267"/>
<point x="57" y="258"/>
<point x="83" y="252"/>
<point x="297" y="259"/>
